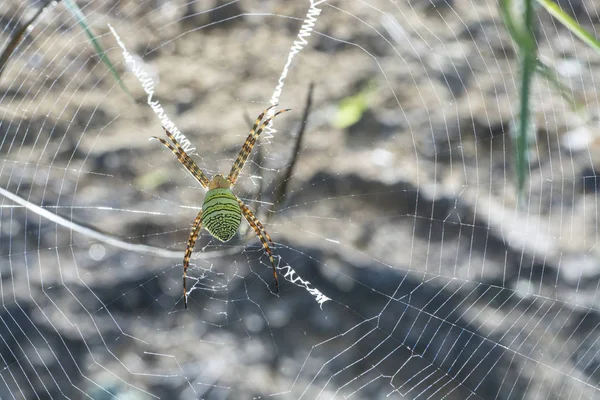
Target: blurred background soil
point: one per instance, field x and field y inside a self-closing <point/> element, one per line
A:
<point x="405" y="216"/>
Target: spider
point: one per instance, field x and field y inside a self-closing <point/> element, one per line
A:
<point x="221" y="212"/>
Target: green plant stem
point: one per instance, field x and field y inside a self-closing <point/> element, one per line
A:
<point x="527" y="47"/>
<point x="520" y="27"/>
<point x="528" y="62"/>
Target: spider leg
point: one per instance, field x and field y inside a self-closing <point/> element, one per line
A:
<point x="249" y="144"/>
<point x="185" y="159"/>
<point x="188" y="252"/>
<point x="261" y="233"/>
<point x="255" y="220"/>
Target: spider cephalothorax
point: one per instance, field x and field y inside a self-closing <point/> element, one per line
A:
<point x="222" y="211"/>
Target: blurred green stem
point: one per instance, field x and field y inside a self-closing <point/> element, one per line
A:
<point x="518" y="18"/>
<point x="528" y="61"/>
<point x="82" y="21"/>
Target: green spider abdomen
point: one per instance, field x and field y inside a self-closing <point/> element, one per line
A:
<point x="221" y="214"/>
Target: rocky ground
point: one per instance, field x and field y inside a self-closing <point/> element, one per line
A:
<point x="406" y="217"/>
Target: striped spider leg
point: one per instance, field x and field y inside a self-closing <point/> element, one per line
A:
<point x="222" y="210"/>
<point x="262" y="234"/>
<point x="249" y="144"/>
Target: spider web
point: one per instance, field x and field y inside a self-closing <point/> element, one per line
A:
<point x="401" y="210"/>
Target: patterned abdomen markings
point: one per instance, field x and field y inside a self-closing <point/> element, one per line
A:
<point x="221" y="214"/>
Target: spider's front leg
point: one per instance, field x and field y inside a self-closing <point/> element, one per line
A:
<point x="184" y="159"/>
<point x="188" y="252"/>
<point x="249" y="144"/>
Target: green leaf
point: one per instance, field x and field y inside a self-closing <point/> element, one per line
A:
<point x="555" y="81"/>
<point x="80" y="17"/>
<point x="570" y="23"/>
<point x="352" y="108"/>
<point x="350" y="111"/>
<point x="151" y="180"/>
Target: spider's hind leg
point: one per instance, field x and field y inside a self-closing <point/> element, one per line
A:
<point x="262" y="235"/>
<point x="197" y="225"/>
